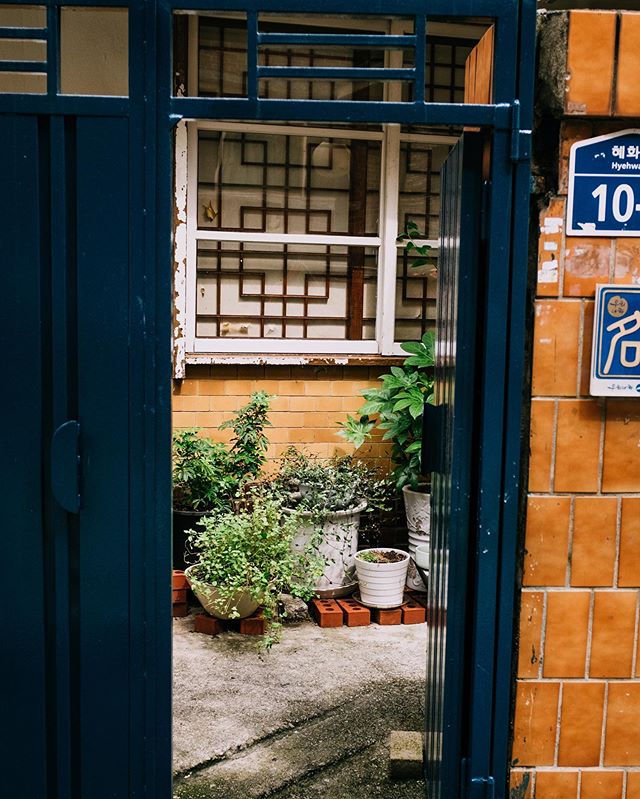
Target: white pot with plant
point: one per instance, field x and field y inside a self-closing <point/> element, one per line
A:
<point x="396" y="410"/>
<point x="246" y="559"/>
<point x="330" y="497"/>
<point x="382" y="574"/>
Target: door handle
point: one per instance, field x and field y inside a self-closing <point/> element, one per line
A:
<point x="65" y="466"/>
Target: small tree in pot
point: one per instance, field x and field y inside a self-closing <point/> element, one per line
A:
<point x="330" y="495"/>
<point x="207" y="475"/>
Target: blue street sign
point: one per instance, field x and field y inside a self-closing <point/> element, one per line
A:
<point x="604" y="186"/>
<point x="615" y="363"/>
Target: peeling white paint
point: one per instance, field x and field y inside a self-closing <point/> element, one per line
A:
<point x="180" y="253"/>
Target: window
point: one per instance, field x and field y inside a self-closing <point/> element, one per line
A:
<point x="291" y="230"/>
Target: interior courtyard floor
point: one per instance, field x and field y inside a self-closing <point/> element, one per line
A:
<point x="309" y="719"/>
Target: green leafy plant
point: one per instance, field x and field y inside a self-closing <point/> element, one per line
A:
<point x="396" y="409"/>
<point x="251" y="551"/>
<point x="410" y="239"/>
<point x="322" y="486"/>
<point x="207" y="475"/>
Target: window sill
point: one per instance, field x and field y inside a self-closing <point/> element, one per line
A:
<point x="292" y="359"/>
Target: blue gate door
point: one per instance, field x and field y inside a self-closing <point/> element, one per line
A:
<point x="449" y="443"/>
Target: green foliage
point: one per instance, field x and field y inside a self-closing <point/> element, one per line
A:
<point x="396" y="409"/>
<point x="249" y="444"/>
<point x="252" y="550"/>
<point x="409" y="238"/>
<point x="203" y="478"/>
<point x="207" y="475"/>
<point x="322" y="486"/>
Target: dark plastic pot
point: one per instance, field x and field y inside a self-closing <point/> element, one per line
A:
<point x="183" y="520"/>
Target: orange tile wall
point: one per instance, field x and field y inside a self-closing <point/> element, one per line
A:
<point x="308" y="402"/>
<point x="577" y="716"/>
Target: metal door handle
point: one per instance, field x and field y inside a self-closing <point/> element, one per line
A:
<point x="65" y="466"/>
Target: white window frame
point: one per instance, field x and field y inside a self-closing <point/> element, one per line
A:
<point x="391" y="138"/>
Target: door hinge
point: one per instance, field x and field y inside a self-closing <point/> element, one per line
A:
<point x="482" y="788"/>
<point x="65" y="466"/>
<point x="520" y="139"/>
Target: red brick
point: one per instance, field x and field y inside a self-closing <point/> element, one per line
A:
<point x="179" y="610"/>
<point x="207" y="624"/>
<point x="179" y="596"/>
<point x="255" y="624"/>
<point x="327" y="612"/>
<point x="355" y="614"/>
<point x="179" y="580"/>
<point x="387" y="615"/>
<point x="413" y="613"/>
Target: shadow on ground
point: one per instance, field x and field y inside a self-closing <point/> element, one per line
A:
<point x="310" y="719"/>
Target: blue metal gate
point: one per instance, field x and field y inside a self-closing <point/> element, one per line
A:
<point x="86" y="252"/>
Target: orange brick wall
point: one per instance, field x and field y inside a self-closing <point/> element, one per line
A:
<point x="308" y="403"/>
<point x="577" y="717"/>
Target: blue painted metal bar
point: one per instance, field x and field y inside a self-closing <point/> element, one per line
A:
<point x="491" y="9"/>
<point x="253" y="70"/>
<point x="63" y="105"/>
<point x="335" y="73"/>
<point x="498" y="116"/>
<point x="337" y="39"/>
<point x="53" y="54"/>
<point x="420" y="58"/>
<point x="23" y="66"/>
<point x="23" y="33"/>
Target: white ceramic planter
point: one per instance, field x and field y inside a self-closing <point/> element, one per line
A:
<point x="221" y="609"/>
<point x="382" y="584"/>
<point x="417" y="505"/>
<point x="422" y="555"/>
<point x="338" y="547"/>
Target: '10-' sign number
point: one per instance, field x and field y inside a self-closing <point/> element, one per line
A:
<point x="623" y="202"/>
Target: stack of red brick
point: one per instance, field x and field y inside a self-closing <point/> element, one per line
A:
<point x="180" y="587"/>
<point x="336" y="612"/>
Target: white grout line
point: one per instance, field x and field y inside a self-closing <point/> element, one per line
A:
<point x="558" y="717"/>
<point x="616" y="563"/>
<point x="543" y="634"/>
<point x="587" y="660"/>
<point x="603" y="731"/>
<point x="634" y="654"/>
<point x="572" y="516"/>
<point x="603" y="419"/>
<point x="580" y="348"/>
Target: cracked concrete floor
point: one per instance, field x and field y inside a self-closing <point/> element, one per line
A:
<point x="310" y="719"/>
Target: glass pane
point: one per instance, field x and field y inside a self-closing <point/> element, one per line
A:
<point x="271" y="183"/>
<point x="419" y="197"/>
<point x="416" y="292"/>
<point x="23" y="50"/>
<point x="94" y="51"/>
<point x="445" y="59"/>
<point x="301" y="291"/>
<point x="222" y="57"/>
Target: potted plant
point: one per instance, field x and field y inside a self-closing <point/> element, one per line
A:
<point x="382" y="574"/>
<point x="329" y="496"/>
<point x="396" y="408"/>
<point x="207" y="475"/>
<point x="246" y="558"/>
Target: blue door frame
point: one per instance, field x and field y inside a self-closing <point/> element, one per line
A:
<point x="88" y="682"/>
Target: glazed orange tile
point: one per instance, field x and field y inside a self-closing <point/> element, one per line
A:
<point x="531" y="610"/>
<point x="565" y="645"/>
<point x="633" y="785"/>
<point x="550" y="246"/>
<point x="546" y="541"/>
<point x="626" y="269"/>
<point x="555" y="348"/>
<point x="581" y="724"/>
<point x="593" y="551"/>
<point x="601" y="785"/>
<point x="627" y="100"/>
<point x="541" y="444"/>
<point x="622" y="742"/>
<point x="571" y="131"/>
<point x="629" y="568"/>
<point x="612" y="638"/>
<point x="586" y="263"/>
<point x="577" y="446"/>
<point x="556" y="784"/>
<point x="590" y="68"/>
<point x="621" y="470"/>
<point x="535" y="723"/>
<point x="586" y="337"/>
<point x="521" y="783"/>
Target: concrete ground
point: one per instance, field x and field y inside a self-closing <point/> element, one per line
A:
<point x="310" y="719"/>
